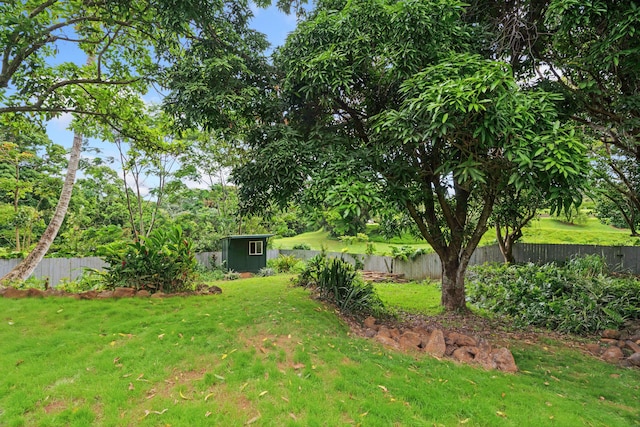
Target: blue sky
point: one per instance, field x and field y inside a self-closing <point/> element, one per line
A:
<point x="275" y="24"/>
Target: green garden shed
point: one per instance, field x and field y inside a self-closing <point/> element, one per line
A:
<point x="245" y="253"/>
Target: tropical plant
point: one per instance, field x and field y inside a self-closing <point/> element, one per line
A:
<point x="164" y="261"/>
<point x="340" y="283"/>
<point x="283" y="263"/>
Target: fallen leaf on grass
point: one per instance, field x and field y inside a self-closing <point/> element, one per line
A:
<point x="207" y="414"/>
<point x="292" y="415"/>
<point x="224" y="356"/>
<point x="466" y="420"/>
<point x="383" y="388"/>
<point x="208" y="396"/>
<point x="501" y="414"/>
<point x="183" y="396"/>
<point x="263" y="393"/>
<point x="297" y="366"/>
<point x="284" y="398"/>
<point x="148" y="412"/>
<point x="160" y="336"/>
<point x="131" y="387"/>
<point x="254" y="419"/>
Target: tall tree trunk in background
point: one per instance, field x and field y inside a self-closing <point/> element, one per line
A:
<point x="23" y="270"/>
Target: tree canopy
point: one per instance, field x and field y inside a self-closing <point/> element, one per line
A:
<point x="397" y="91"/>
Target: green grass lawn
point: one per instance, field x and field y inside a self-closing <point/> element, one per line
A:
<point x="541" y="230"/>
<point x="264" y="353"/>
<point x="319" y="239"/>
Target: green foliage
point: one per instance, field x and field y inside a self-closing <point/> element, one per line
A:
<point x="302" y="246"/>
<point x="340" y="283"/>
<point x="406" y="253"/>
<point x="89" y="280"/>
<point x="31" y="282"/>
<point x="164" y="261"/>
<point x="577" y="298"/>
<point x="398" y="92"/>
<point x="283" y="263"/>
<point x="266" y="272"/>
<point x="370" y="249"/>
<point x="231" y="275"/>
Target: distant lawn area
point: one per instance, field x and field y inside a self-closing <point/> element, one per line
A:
<point x="541" y="230"/>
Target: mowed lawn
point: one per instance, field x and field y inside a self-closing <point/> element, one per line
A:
<point x="264" y="353"/>
<point x="541" y="230"/>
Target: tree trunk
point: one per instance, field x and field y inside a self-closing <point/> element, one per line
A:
<point x="23" y="270"/>
<point x="506" y="244"/>
<point x="453" y="293"/>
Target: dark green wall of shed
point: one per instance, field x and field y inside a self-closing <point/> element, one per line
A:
<point x="236" y="254"/>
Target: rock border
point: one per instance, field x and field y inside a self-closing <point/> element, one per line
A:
<point x="619" y="347"/>
<point x="440" y="343"/>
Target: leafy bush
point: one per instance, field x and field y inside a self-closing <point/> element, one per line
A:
<point x="266" y="272"/>
<point x="302" y="247"/>
<point x="90" y="279"/>
<point x="283" y="263"/>
<point x="338" y="282"/>
<point x="164" y="261"/>
<point x="232" y="275"/>
<point x="578" y="297"/>
<point x="406" y="253"/>
<point x="29" y="283"/>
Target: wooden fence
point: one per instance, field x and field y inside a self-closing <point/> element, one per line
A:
<point x="619" y="258"/>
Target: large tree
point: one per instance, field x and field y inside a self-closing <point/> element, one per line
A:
<point x="392" y="89"/>
<point x="131" y="45"/>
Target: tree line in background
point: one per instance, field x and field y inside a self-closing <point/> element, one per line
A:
<point x="445" y="118"/>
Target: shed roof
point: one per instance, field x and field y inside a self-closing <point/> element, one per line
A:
<point x="248" y="236"/>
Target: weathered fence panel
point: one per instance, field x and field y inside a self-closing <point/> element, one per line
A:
<point x="618" y="258"/>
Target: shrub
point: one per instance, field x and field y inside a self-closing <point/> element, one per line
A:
<point x="302" y="247"/>
<point x="406" y="253"/>
<point x="577" y="297"/>
<point x="232" y="275"/>
<point x="90" y="279"/>
<point x="283" y="263"/>
<point x="338" y="281"/>
<point x="30" y="283"/>
<point x="266" y="272"/>
<point x="164" y="261"/>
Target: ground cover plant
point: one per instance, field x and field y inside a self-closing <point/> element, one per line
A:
<point x="579" y="297"/>
<point x="265" y="353"/>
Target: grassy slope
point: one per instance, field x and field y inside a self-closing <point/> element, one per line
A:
<point x="265" y="353"/>
<point x="543" y="230"/>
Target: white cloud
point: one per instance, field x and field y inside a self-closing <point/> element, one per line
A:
<point x="62" y="122"/>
